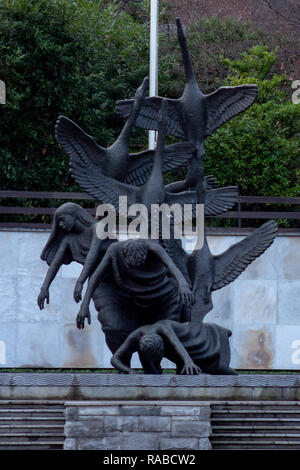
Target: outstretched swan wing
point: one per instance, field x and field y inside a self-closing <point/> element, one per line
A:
<point x="140" y="166"/>
<point x="227" y="102"/>
<point x="230" y="264"/>
<point x="148" y="117"/>
<point x="70" y="136"/>
<point x="217" y="201"/>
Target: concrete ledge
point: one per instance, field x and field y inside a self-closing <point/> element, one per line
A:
<point x="92" y="379"/>
<point x="96" y="386"/>
<point x="218" y="231"/>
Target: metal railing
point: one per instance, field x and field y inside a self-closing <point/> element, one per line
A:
<point x="239" y="213"/>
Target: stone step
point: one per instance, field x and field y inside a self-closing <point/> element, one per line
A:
<point x="32" y="429"/>
<point x="272" y="423"/>
<point x="31" y="425"/>
<point x="32" y="420"/>
<point x="15" y="404"/>
<point x="256" y="414"/>
<point x="256" y="437"/>
<point x="252" y="445"/>
<point x="30" y="438"/>
<point x="27" y="412"/>
<point x="256" y="406"/>
<point x="259" y="425"/>
<point x="255" y="429"/>
<point x="255" y="420"/>
<point x="44" y="445"/>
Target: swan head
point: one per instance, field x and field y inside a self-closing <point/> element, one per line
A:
<point x="141" y="90"/>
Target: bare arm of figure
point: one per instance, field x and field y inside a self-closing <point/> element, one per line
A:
<point x="84" y="311"/>
<point x="88" y="266"/>
<point x="129" y="347"/>
<point x="51" y="273"/>
<point x="167" y="332"/>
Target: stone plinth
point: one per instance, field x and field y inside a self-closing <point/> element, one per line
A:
<point x="137" y="425"/>
<point x="97" y="386"/>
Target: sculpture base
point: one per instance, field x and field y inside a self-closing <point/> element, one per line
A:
<point x="146" y="412"/>
<point x="139" y="425"/>
<point x="96" y="386"/>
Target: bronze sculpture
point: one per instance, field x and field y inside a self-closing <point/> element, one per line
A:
<point x="194" y="116"/>
<point x="151" y="296"/>
<point x="115" y="161"/>
<point x="207" y="344"/>
<point x="109" y="190"/>
<point x="70" y="224"/>
<point x="148" y="286"/>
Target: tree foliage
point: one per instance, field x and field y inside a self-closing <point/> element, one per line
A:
<point x="62" y="57"/>
<point x="259" y="149"/>
<point x="78" y="57"/>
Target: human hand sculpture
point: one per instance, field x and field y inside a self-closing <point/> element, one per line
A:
<point x="44" y="295"/>
<point x="185" y="294"/>
<point x="84" y="313"/>
<point x="190" y="368"/>
<point x="78" y="291"/>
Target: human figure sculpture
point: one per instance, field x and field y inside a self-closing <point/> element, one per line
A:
<point x="135" y="283"/>
<point x="147" y="282"/>
<point x="150" y="295"/>
<point x="70" y="240"/>
<point x="206" y="344"/>
<point x="150" y="193"/>
<point x="153" y="342"/>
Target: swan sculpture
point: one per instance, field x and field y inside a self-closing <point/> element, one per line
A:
<point x="194" y="116"/>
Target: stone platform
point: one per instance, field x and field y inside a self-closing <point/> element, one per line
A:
<point x="167" y="412"/>
<point x="97" y="386"/>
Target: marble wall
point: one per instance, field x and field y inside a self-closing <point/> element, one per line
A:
<point x="262" y="307"/>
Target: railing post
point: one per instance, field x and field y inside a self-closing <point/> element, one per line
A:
<point x="239" y="210"/>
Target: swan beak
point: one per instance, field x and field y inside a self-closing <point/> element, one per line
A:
<point x="180" y="32"/>
<point x="145" y="84"/>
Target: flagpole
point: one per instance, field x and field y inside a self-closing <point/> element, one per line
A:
<point x="153" y="61"/>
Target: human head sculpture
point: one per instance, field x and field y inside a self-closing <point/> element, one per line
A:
<point x="67" y="218"/>
<point x="134" y="252"/>
<point x="151" y="349"/>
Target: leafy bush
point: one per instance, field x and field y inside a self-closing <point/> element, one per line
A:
<point x="259" y="149"/>
<point x="62" y="57"/>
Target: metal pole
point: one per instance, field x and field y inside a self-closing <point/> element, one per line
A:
<point x="153" y="64"/>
